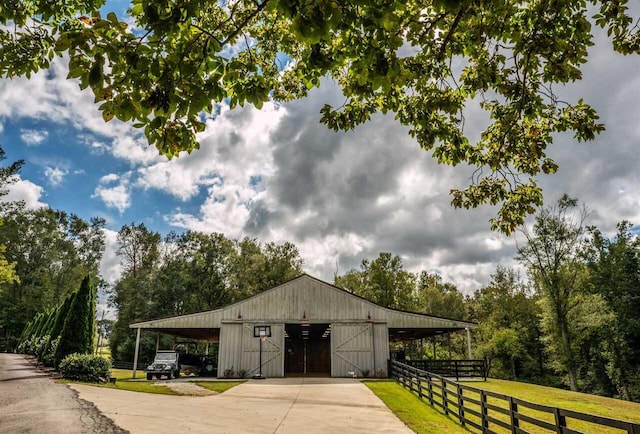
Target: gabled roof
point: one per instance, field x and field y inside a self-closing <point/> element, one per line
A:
<point x="305" y="298"/>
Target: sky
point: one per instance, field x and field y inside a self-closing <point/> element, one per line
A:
<point x="277" y="174"/>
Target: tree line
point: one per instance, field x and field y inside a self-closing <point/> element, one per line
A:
<point x="572" y="321"/>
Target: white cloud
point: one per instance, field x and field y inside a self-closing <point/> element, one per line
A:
<point x="33" y="137"/>
<point x="24" y="190"/>
<point x="114" y="196"/>
<point x="55" y="175"/>
<point x="345" y="196"/>
<point x="110" y="266"/>
<point x="49" y="95"/>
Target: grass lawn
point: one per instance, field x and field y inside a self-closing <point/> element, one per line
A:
<point x="133" y="386"/>
<point x="420" y="417"/>
<point x="218" y="386"/>
<point x="126" y="374"/>
<point x="581" y="402"/>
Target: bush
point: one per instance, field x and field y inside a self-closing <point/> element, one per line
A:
<point x="85" y="367"/>
<point x="42" y="345"/>
<point x="48" y="357"/>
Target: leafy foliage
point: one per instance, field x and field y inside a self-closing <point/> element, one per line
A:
<point x="52" y="252"/>
<point x="615" y="277"/>
<point x="85" y="367"/>
<point x="552" y="255"/>
<point x="425" y="61"/>
<point x="78" y="331"/>
<point x="383" y="281"/>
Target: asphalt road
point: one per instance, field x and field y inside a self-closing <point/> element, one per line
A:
<point x="31" y="402"/>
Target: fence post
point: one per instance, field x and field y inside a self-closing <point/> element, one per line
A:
<point x="419" y="387"/>
<point x="430" y="387"/>
<point x="483" y="410"/>
<point x="561" y="421"/>
<point x="460" y="406"/>
<point x="455" y="363"/>
<point x="513" y="411"/>
<point x="484" y="368"/>
<point x="445" y="400"/>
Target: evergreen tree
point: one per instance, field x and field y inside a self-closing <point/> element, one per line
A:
<point x="61" y="314"/>
<point x="75" y="336"/>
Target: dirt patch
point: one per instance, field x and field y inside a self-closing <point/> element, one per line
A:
<point x="189" y="389"/>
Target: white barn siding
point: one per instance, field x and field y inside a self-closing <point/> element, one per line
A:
<point x="380" y="348"/>
<point x="351" y="349"/>
<point x="272" y="351"/>
<point x="230" y="349"/>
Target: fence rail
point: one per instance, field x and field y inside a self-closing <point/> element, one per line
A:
<point x="451" y="368"/>
<point x="488" y="411"/>
<point x="127" y="365"/>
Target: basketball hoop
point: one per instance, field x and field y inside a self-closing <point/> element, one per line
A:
<point x="263" y="335"/>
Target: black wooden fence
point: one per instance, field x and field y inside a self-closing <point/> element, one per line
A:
<point x="127" y="365"/>
<point x="488" y="411"/>
<point x="451" y="368"/>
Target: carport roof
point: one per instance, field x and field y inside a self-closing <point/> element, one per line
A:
<point x="303" y="299"/>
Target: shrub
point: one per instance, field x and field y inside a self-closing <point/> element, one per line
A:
<point x="48" y="357"/>
<point x="365" y="373"/>
<point x="229" y="373"/>
<point x="41" y="347"/>
<point x="85" y="367"/>
<point x="380" y="373"/>
<point x="242" y="373"/>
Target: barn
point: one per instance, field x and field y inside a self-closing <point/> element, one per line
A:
<point x="308" y="327"/>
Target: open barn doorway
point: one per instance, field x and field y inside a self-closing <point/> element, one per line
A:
<point x="307" y="350"/>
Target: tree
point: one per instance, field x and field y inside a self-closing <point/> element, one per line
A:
<point x="383" y="281"/>
<point x="615" y="276"/>
<point x="52" y="252"/>
<point x="387" y="56"/>
<point x="77" y="333"/>
<point x="438" y="298"/>
<point x="552" y="255"/>
<point x="7" y="176"/>
<point x="509" y="332"/>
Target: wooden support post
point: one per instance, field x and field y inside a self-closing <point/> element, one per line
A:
<point x="468" y="343"/>
<point x="419" y="387"/>
<point x="449" y="345"/>
<point x="157" y="342"/>
<point x="460" y="405"/>
<point x="513" y="411"/>
<point x="483" y="410"/>
<point x="561" y="421"/>
<point x="135" y="354"/>
<point x="433" y="341"/>
<point x="430" y="388"/>
<point x="445" y="400"/>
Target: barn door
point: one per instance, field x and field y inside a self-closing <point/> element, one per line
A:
<point x="351" y="349"/>
<point x="272" y="351"/>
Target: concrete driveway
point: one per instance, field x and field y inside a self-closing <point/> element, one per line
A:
<point x="286" y="405"/>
